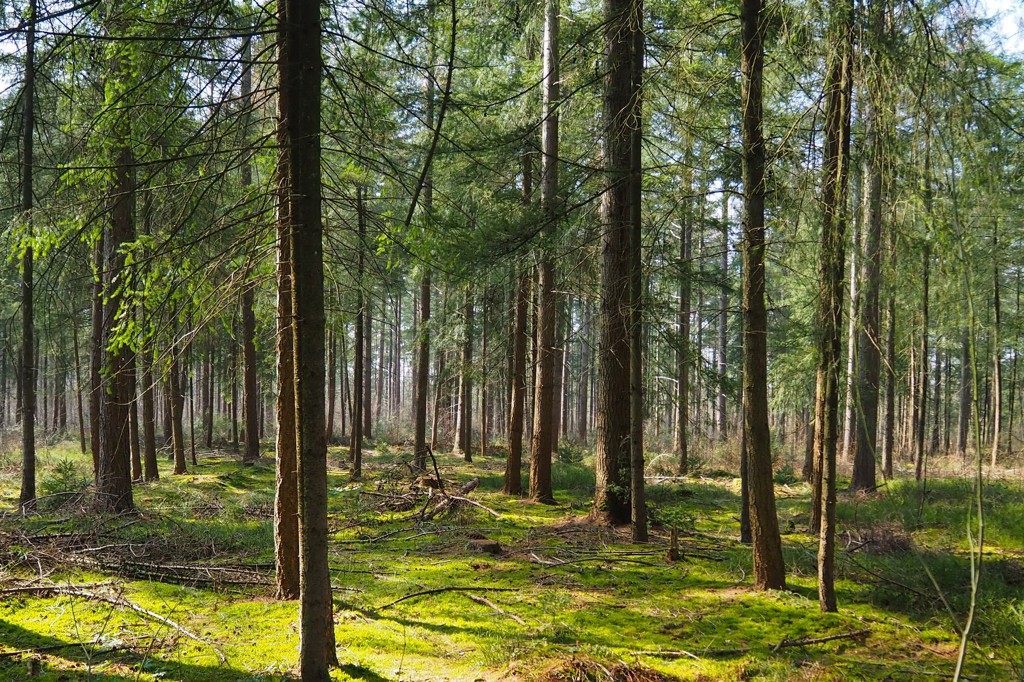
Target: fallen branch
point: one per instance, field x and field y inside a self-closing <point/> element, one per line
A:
<point x="437" y="473"/>
<point x="439" y="590"/>
<point x="856" y="634"/>
<point x="784" y="644"/>
<point x="681" y="653"/>
<point x="477" y="505"/>
<point x="449" y="500"/>
<point x="606" y="559"/>
<point x="487" y="602"/>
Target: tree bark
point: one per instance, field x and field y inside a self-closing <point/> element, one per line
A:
<point x="869" y="343"/>
<point x="838" y="90"/>
<point x="332" y="382"/>
<point x="681" y="444"/>
<point x="465" y="398"/>
<point x="547" y="310"/>
<point x="360" y="364"/>
<point x="286" y="514"/>
<point x="176" y="397"/>
<point x="513" y="467"/>
<point x="722" y="350"/>
<point x="113" y="487"/>
<point x="769" y="568"/>
<point x="612" y="452"/>
<point x="299" y="65"/>
<point x="638" y="500"/>
<point x="27" y="498"/>
<point x="997" y="355"/>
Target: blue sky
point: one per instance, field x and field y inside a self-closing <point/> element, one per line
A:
<point x="1009" y="28"/>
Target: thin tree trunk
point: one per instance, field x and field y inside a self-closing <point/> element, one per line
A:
<point x="360" y="366"/>
<point x="78" y="387"/>
<point x="583" y="396"/>
<point x="868" y="345"/>
<point x="177" y="400"/>
<point x="27" y="499"/>
<point x="367" y="358"/>
<point x="133" y="424"/>
<point x="513" y="475"/>
<point x="542" y="441"/>
<point x="208" y="397"/>
<point x="838" y="90"/>
<point x="889" y="430"/>
<point x="286" y="489"/>
<point x="723" y="320"/>
<point x="681" y="444"/>
<point x="465" y="428"/>
<point x="997" y="355"/>
<point x="422" y="364"/>
<point x="332" y="381"/>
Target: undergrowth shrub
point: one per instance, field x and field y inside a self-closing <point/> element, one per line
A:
<point x="64" y="479"/>
<point x="569" y="453"/>
<point x="785" y="475"/>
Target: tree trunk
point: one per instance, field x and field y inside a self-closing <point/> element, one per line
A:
<point x="681" y="444"/>
<point x="114" y="485"/>
<point x="838" y="90"/>
<point x="367" y="412"/>
<point x="27" y="499"/>
<point x="513" y="467"/>
<point x="299" y="62"/>
<point x="133" y="423"/>
<point x="638" y="500"/>
<point x="176" y="398"/>
<point x="547" y="305"/>
<point x="360" y="365"/>
<point x="769" y="568"/>
<point x="332" y="382"/>
<point x="723" y="320"/>
<point x="889" y="430"/>
<point x="920" y="420"/>
<point x="465" y="427"/>
<point x="286" y="522"/>
<point x="251" y="395"/>
<point x="78" y="387"/>
<point x="997" y="355"/>
<point x="869" y="342"/>
<point x="423" y="365"/>
<point x="612" y="452"/>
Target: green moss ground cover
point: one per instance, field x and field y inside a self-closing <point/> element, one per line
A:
<point x="563" y="600"/>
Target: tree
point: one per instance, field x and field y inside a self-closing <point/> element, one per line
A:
<point x="299" y="68"/>
<point x="251" y="394"/>
<point x="27" y="499"/>
<point x="869" y="343"/>
<point x="612" y="446"/>
<point x="638" y="503"/>
<point x="769" y="568"/>
<point x="547" y="304"/>
<point x="836" y="155"/>
<point x="113" y="481"/>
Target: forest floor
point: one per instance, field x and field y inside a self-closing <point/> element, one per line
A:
<point x="183" y="590"/>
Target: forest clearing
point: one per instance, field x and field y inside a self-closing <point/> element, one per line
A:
<point x="558" y="598"/>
